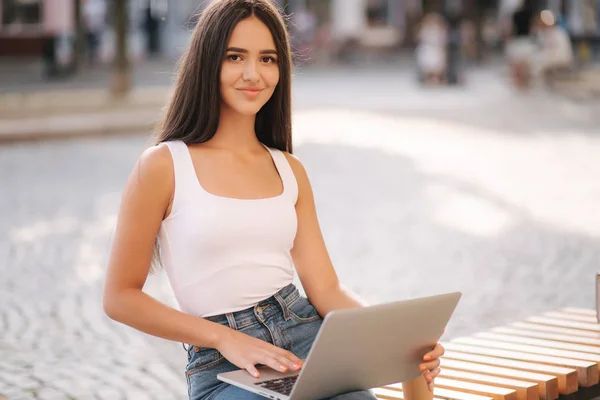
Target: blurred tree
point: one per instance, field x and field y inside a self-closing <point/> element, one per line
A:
<point x="79" y="55"/>
<point x="122" y="74"/>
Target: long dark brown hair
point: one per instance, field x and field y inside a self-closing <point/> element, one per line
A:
<point x="193" y="113"/>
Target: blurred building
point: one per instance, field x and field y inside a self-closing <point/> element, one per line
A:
<point x="352" y="18"/>
<point x="24" y="24"/>
<point x="163" y="26"/>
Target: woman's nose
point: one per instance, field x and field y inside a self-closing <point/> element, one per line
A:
<point x="250" y="73"/>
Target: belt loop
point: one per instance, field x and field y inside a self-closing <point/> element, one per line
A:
<point x="231" y="321"/>
<point x="284" y="307"/>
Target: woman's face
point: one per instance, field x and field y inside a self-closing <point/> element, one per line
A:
<point x="250" y="70"/>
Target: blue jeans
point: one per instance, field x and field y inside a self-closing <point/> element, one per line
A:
<point x="286" y="320"/>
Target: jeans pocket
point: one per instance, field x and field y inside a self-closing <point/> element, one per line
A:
<point x="202" y="359"/>
<point x="303" y="311"/>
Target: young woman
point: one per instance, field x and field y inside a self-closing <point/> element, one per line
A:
<point x="233" y="211"/>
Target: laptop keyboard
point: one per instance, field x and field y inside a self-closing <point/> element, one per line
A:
<point x="280" y="385"/>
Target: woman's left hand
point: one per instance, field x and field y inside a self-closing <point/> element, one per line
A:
<point x="430" y="368"/>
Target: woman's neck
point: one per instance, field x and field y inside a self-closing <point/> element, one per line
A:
<point x="235" y="131"/>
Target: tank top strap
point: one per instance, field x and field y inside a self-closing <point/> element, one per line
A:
<point x="183" y="167"/>
<point x="286" y="173"/>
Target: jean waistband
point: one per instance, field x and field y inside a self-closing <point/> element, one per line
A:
<point x="278" y="303"/>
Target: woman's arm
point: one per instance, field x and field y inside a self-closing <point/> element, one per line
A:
<point x="417" y="389"/>
<point x="144" y="204"/>
<point x="321" y="283"/>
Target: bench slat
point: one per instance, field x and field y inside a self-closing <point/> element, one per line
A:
<point x="496" y="393"/>
<point x="565" y="324"/>
<point x="571" y="317"/>
<point x="582" y="311"/>
<point x="587" y="372"/>
<point x="539" y="342"/>
<point x="534" y="350"/>
<point x="556" y="329"/>
<point x="546" y="335"/>
<point x="524" y="390"/>
<point x="546" y="385"/>
<point x="566" y="377"/>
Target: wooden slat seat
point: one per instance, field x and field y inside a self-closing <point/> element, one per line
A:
<point x="498" y="344"/>
<point x="586" y="326"/>
<point x="570" y="316"/>
<point x="552" y="344"/>
<point x="587" y="371"/>
<point x="582" y="311"/>
<point x="496" y="392"/>
<point x="545" y="385"/>
<point x="523" y="390"/>
<point x="556" y="329"/>
<point x="542" y="357"/>
<point x="558" y="337"/>
<point x="567" y="377"/>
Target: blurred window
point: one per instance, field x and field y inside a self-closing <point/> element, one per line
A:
<point x="21" y="12"/>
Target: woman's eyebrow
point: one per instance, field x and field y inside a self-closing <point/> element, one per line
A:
<point x="244" y="51"/>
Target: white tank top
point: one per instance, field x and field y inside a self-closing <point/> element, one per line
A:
<point x="223" y="254"/>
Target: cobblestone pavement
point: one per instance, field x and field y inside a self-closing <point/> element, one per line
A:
<point x="495" y="197"/>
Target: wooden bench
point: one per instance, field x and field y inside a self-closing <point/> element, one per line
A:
<point x="555" y="355"/>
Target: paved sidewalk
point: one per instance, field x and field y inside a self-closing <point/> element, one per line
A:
<point x="78" y="125"/>
<point x="20" y="106"/>
<point x="25" y="76"/>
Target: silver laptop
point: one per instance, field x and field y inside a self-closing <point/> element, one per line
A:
<point x="358" y="349"/>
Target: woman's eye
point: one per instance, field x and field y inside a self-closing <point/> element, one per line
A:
<point x="269" y="60"/>
<point x="234" y="57"/>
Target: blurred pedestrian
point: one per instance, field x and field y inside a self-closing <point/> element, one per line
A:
<point x="94" y="16"/>
<point x="521" y="45"/>
<point x="224" y="205"/>
<point x="555" y="52"/>
<point x="431" y="56"/>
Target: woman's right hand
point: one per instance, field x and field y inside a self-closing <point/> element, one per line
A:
<point x="245" y="352"/>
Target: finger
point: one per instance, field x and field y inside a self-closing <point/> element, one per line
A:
<point x="295" y="362"/>
<point x="437" y="352"/>
<point x="284" y="361"/>
<point x="430" y="365"/>
<point x="252" y="370"/>
<point x="434" y="373"/>
<point x="430" y="386"/>
<point x="291" y="359"/>
<point x="271" y="361"/>
<point x="280" y="356"/>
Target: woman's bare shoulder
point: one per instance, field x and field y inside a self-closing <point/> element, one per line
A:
<point x="298" y="170"/>
<point x="156" y="162"/>
<point x="294" y="162"/>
